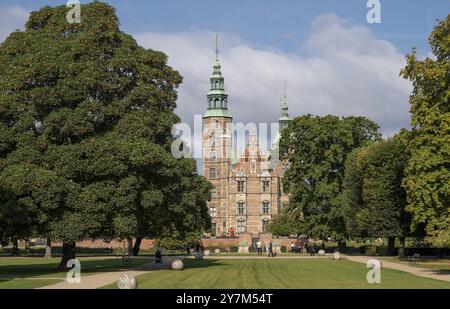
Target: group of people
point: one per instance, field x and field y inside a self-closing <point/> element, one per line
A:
<point x="270" y="248"/>
<point x="304" y="249"/>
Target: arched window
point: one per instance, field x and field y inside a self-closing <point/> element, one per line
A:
<point x="265" y="207"/>
<point x="241" y="208"/>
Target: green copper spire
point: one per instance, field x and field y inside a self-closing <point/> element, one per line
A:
<point x="217" y="97"/>
<point x="284" y="119"/>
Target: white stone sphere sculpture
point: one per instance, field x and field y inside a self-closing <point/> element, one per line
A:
<point x="321" y="252"/>
<point x="337" y="256"/>
<point x="207" y="252"/>
<point x="217" y="251"/>
<point x="126" y="281"/>
<point x="177" y="264"/>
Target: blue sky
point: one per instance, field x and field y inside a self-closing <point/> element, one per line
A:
<point x="276" y="23"/>
<point x="332" y="59"/>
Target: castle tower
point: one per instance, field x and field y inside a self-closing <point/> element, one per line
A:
<point x="284" y="119"/>
<point x="217" y="149"/>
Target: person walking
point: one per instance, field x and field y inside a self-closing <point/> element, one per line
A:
<point x="313" y="250"/>
<point x="269" y="250"/>
<point x="292" y="247"/>
<point x="259" y="247"/>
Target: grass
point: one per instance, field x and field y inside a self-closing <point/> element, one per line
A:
<point x="24" y="273"/>
<point x="278" y="273"/>
<point x="440" y="264"/>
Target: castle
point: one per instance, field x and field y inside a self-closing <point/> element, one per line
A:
<point x="247" y="188"/>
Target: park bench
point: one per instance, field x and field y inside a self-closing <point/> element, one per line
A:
<point x="414" y="258"/>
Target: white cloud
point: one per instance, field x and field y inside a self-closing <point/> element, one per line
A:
<point x="341" y="69"/>
<point x="12" y="18"/>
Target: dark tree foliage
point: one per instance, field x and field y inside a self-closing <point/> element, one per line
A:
<point x="85" y="133"/>
<point x="316" y="148"/>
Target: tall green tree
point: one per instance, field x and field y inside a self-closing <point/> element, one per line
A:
<point x="427" y="180"/>
<point x="374" y="199"/>
<point x="316" y="148"/>
<point x="85" y="132"/>
<point x="286" y="223"/>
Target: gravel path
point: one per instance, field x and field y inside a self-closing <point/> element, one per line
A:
<point x="421" y="272"/>
<point x="100" y="280"/>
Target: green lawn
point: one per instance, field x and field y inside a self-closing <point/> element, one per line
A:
<point x="24" y="273"/>
<point x="279" y="273"/>
<point x="439" y="264"/>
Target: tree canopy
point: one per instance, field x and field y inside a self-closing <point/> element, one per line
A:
<point x="85" y="131"/>
<point x="427" y="175"/>
<point x="374" y="199"/>
<point x="316" y="148"/>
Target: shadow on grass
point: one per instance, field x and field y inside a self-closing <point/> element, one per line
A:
<point x="20" y="269"/>
<point x="439" y="272"/>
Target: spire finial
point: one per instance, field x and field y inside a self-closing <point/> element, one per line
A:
<point x="284" y="90"/>
<point x="217" y="46"/>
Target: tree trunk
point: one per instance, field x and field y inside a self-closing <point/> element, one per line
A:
<point x="137" y="246"/>
<point x="15" y="250"/>
<point x="48" y="249"/>
<point x="130" y="246"/>
<point x="391" y="246"/>
<point x="27" y="246"/>
<point x="401" y="252"/>
<point x="68" y="253"/>
<point x="342" y="245"/>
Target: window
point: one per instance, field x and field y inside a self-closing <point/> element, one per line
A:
<point x="241" y="226"/>
<point x="213" y="229"/>
<point x="212" y="173"/>
<point x="213" y="211"/>
<point x="265" y="185"/>
<point x="253" y="165"/>
<point x="265" y="207"/>
<point x="241" y="208"/>
<point x="265" y="225"/>
<point x="240" y="185"/>
<point x="214" y="193"/>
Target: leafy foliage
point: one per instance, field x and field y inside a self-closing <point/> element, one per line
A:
<point x="374" y="199"/>
<point x="85" y="133"/>
<point x="427" y="180"/>
<point x="316" y="148"/>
